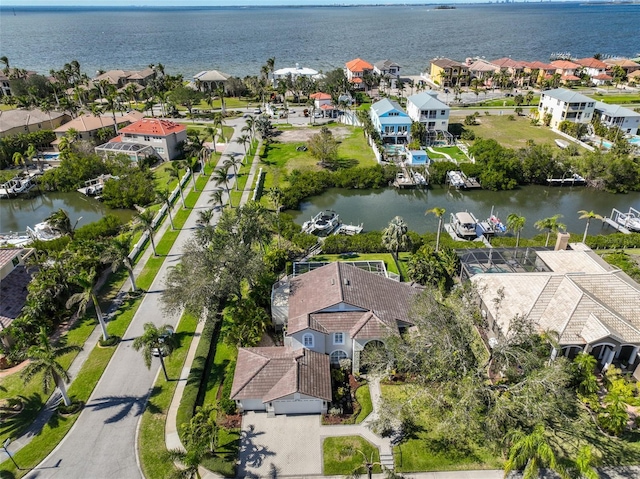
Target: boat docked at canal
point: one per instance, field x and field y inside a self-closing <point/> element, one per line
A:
<point x="16" y="186"/>
<point x="322" y="224"/>
<point x="630" y="221"/>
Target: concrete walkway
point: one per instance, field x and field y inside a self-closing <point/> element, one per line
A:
<point x="50" y="406"/>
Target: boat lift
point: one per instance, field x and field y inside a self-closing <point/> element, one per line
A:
<point x="624" y="222"/>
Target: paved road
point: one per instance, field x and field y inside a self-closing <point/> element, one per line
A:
<point x="102" y="443"/>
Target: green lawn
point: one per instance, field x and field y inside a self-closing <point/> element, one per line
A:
<point x="390" y="264"/>
<point x="453" y="151"/>
<point x="617" y="98"/>
<point x="425" y="452"/>
<point x="512" y="133"/>
<point x="363" y="396"/>
<point x="341" y="456"/>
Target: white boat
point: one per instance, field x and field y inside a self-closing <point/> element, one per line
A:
<point x="629" y="221"/>
<point x="15" y="239"/>
<point x="349" y="230"/>
<point x="322" y="224"/>
<point x="561" y="143"/>
<point x="455" y="179"/>
<point x="15" y="186"/>
<point x="43" y="232"/>
<point x="497" y="225"/>
<point x="464" y="224"/>
<point x="419" y="178"/>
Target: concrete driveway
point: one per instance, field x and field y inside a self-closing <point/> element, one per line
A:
<point x="290" y="444"/>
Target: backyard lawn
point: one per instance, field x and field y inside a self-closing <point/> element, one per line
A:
<point x="512" y="133"/>
<point x="453" y="151"/>
<point x="341" y="456"/>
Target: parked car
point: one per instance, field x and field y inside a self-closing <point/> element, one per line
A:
<point x="257" y="111"/>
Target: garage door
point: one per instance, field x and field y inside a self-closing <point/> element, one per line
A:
<point x="300" y="406"/>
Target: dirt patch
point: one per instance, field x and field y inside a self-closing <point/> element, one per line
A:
<point x="303" y="134"/>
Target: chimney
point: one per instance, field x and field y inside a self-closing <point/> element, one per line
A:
<point x="562" y="242"/>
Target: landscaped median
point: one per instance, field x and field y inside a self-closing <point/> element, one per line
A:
<point x="91" y="371"/>
<point x="346" y="455"/>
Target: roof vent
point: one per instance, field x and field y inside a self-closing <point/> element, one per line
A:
<point x="346" y="282"/>
<point x="333" y="281"/>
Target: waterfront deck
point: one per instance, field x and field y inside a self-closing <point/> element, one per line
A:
<point x="573" y="180"/>
<point x="626" y="223"/>
<point x="460" y="181"/>
<point x="408" y="178"/>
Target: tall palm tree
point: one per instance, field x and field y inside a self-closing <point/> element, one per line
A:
<point x="156" y="340"/>
<point x="588" y="215"/>
<point x="87" y="280"/>
<point x="394" y="236"/>
<point x="221" y="176"/>
<point x="59" y="221"/>
<point x="190" y="461"/>
<point x="276" y="195"/>
<point x="19" y="159"/>
<point x="32" y="153"/>
<point x="515" y="223"/>
<point x="550" y="224"/>
<point x="192" y="162"/>
<point x="205" y="216"/>
<point x="532" y="452"/>
<point x="439" y="212"/>
<point x="164" y="196"/>
<point x="144" y="221"/>
<point x="44" y="359"/>
<point x="217" y="199"/>
<point x="218" y="122"/>
<point x="175" y="170"/>
<point x="117" y="253"/>
<point x="212" y="131"/>
<point x="234" y="162"/>
<point x="244" y="140"/>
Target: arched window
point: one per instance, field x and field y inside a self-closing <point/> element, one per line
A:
<point x="307" y="340"/>
<point x="337" y="355"/>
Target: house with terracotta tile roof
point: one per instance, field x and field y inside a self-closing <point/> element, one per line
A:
<point x="356" y="70"/>
<point x="592" y="66"/>
<point x="86" y="126"/>
<point x="539" y="71"/>
<point x="320" y="99"/>
<point x="6" y="75"/>
<point x="164" y="136"/>
<point x="482" y="70"/>
<point x="332" y="313"/>
<point x="449" y="73"/>
<point x="119" y="78"/>
<point x="634" y="77"/>
<point x="569" y="71"/>
<point x="629" y="66"/>
<point x="593" y="307"/>
<point x="19" y="120"/>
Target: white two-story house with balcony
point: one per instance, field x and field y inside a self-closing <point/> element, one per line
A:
<point x="615" y="115"/>
<point x="391" y="122"/>
<point x="563" y="104"/>
<point x="164" y="136"/>
<point x="428" y="110"/>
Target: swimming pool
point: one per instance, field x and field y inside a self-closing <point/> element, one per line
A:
<point x="50" y="156"/>
<point x="634" y="140"/>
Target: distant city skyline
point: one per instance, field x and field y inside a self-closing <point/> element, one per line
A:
<point x="241" y="3"/>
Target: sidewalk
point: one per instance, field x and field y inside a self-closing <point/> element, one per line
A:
<point x="50" y="406"/>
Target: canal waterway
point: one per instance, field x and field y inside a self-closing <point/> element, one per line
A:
<point x="375" y="208"/>
<point x="18" y="213"/>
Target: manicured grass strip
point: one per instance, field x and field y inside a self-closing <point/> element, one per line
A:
<point x="152" y="449"/>
<point x="341" y="456"/>
<point x="241" y="181"/>
<point x="387" y="258"/>
<point x="363" y="396"/>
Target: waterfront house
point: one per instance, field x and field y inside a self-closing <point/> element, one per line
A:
<point x="482" y="70"/>
<point x="6" y="75"/>
<point x="538" y="71"/>
<point x="294" y="73"/>
<point x="120" y="78"/>
<point x="164" y="136"/>
<point x="592" y="66"/>
<point x="512" y="70"/>
<point x="427" y="109"/>
<point x="563" y="104"/>
<point x="629" y="66"/>
<point x="320" y="98"/>
<point x="356" y="70"/>
<point x="209" y="80"/>
<point x="86" y="126"/>
<point x="334" y="312"/>
<point x="390" y="121"/>
<point x="614" y="115"/>
<point x="634" y="77"/>
<point x="18" y="120"/>
<point x="388" y="71"/>
<point x="449" y="73"/>
<point x="14" y="279"/>
<point x="569" y="71"/>
<point x="594" y="307"/>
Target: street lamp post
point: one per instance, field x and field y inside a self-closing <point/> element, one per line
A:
<point x="5" y="445"/>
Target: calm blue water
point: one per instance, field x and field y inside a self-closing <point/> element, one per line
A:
<point x="239" y="40"/>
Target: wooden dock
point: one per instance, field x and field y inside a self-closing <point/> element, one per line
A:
<point x="463" y="182"/>
<point x="409" y="179"/>
<point x="573" y="180"/>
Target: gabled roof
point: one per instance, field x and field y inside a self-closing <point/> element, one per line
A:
<point x="271" y="373"/>
<point x="320" y="96"/>
<point x="385" y="106"/>
<point x="338" y="283"/>
<point x="425" y="101"/>
<point x="623" y="62"/>
<point x="602" y="76"/>
<point x="89" y="122"/>
<point x="508" y="63"/>
<point x="482" y="66"/>
<point x="446" y="63"/>
<point x="616" y="111"/>
<point x="385" y="65"/>
<point x="153" y="126"/>
<point x="569" y="78"/>
<point x="538" y="65"/>
<point x="592" y="63"/>
<point x="567" y="96"/>
<point x="18" y="117"/>
<point x="358" y="65"/>
<point x="565" y="64"/>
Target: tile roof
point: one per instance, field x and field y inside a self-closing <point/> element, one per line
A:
<point x="358" y="65"/>
<point x="153" y="126"/>
<point x="569" y="78"/>
<point x="565" y="64"/>
<point x="591" y="63"/>
<point x="446" y="63"/>
<point x="482" y="66"/>
<point x="540" y="65"/>
<point x="7" y="254"/>
<point x="603" y="76"/>
<point x="271" y="373"/>
<point x="212" y="75"/>
<point x="89" y="122"/>
<point x="508" y="63"/>
<point x="320" y="96"/>
<point x="623" y="62"/>
<point x="18" y="117"/>
<point x="337" y="283"/>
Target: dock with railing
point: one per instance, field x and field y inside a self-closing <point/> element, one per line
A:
<point x="626" y="223"/>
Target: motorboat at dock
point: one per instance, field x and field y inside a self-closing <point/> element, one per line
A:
<point x="322" y="224"/>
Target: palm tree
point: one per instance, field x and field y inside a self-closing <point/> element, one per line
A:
<point x="144" y="221"/>
<point x="86" y="281"/>
<point x="192" y="162"/>
<point x="550" y="224"/>
<point x="212" y="131"/>
<point x="515" y="223"/>
<point x="189" y="460"/>
<point x="394" y="236"/>
<point x="19" y="159"/>
<point x="59" y="221"/>
<point x="117" y="253"/>
<point x="531" y="452"/>
<point x="205" y="216"/>
<point x="221" y="175"/>
<point x="244" y="140"/>
<point x="164" y="196"/>
<point x="439" y="212"/>
<point x="154" y="340"/>
<point x="43" y="359"/>
<point x="217" y="199"/>
<point x="218" y="122"/>
<point x="233" y="162"/>
<point x="588" y="215"/>
<point x="174" y="173"/>
<point x="276" y="195"/>
<point x="32" y="153"/>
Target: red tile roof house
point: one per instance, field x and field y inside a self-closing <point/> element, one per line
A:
<point x="355" y="71"/>
<point x="334" y="312"/>
<point x="568" y="70"/>
<point x="14" y="279"/>
<point x="163" y="135"/>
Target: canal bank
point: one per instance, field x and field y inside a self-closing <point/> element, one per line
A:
<point x="18" y="213"/>
<point x="375" y="208"/>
